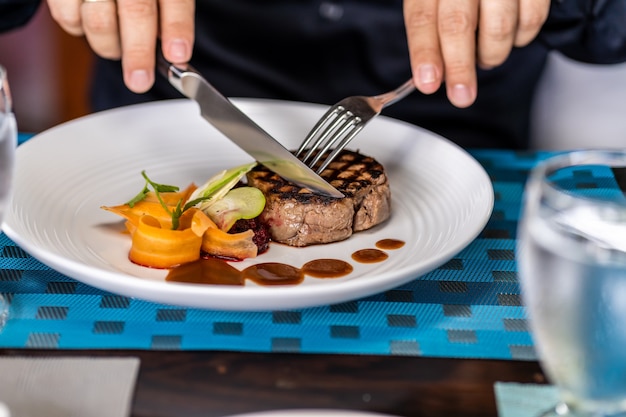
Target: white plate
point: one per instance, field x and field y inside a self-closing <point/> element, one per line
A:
<point x="312" y="413"/>
<point x="441" y="200"/>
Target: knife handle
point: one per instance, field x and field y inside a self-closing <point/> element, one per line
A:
<point x="172" y="72"/>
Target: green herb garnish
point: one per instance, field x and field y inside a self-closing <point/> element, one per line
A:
<point x="211" y="191"/>
<point x="158" y="189"/>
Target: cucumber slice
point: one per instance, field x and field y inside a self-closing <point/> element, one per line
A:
<point x="238" y="203"/>
<point x="217" y="186"/>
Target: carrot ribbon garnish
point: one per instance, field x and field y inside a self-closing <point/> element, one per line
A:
<point x="157" y="245"/>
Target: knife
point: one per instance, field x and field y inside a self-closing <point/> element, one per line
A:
<point x="243" y="131"/>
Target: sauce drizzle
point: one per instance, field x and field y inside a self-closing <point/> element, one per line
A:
<point x="217" y="271"/>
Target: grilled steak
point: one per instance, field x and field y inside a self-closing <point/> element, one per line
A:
<point x="297" y="217"/>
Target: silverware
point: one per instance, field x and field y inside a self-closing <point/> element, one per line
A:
<point x="341" y="123"/>
<point x="243" y="131"/>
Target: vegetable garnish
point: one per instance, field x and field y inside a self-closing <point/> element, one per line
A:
<point x="214" y="189"/>
<point x="174" y="212"/>
<point x="158" y="188"/>
<point x="169" y="227"/>
<point x="238" y="203"/>
<point x="217" y="186"/>
<point x="157" y="247"/>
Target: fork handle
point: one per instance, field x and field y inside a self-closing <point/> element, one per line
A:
<point x="398" y="94"/>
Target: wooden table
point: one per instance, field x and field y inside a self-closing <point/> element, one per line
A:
<point x="212" y="384"/>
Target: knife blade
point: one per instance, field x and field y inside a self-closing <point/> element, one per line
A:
<point x="243" y="131"/>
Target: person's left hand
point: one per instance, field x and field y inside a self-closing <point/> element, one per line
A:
<point x="449" y="38"/>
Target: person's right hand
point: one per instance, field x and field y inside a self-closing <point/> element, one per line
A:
<point x="128" y="30"/>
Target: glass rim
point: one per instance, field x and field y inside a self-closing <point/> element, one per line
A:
<point x="606" y="157"/>
<point x="546" y="199"/>
<point x="539" y="174"/>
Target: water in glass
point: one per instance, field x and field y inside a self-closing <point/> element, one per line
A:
<point x="572" y="264"/>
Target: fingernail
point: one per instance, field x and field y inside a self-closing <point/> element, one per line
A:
<point x="179" y="52"/>
<point x="461" y="95"/>
<point x="426" y="74"/>
<point x="139" y="80"/>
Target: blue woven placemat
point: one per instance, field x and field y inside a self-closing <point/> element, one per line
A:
<point x="468" y="308"/>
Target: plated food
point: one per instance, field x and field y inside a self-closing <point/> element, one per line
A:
<point x="235" y="214"/>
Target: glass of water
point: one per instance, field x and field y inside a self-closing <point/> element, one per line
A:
<point x="8" y="142"/>
<point x="572" y="262"/>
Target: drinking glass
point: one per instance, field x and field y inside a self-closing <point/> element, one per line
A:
<point x="8" y="142"/>
<point x="572" y="262"/>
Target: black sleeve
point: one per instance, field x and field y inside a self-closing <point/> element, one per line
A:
<point x="592" y="31"/>
<point x="15" y="13"/>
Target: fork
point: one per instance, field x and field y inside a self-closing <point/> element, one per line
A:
<point x="342" y="122"/>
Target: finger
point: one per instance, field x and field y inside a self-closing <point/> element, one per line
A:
<point x="497" y="27"/>
<point x="101" y="27"/>
<point x="457" y="32"/>
<point x="177" y="29"/>
<point x="67" y="14"/>
<point x="138" y="20"/>
<point x="423" y="40"/>
<point x="532" y="16"/>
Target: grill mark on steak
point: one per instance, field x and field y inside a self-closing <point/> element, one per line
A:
<point x="297" y="217"/>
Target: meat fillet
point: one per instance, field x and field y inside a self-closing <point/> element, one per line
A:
<point x="297" y="217"/>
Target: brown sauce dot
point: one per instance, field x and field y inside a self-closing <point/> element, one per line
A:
<point x="389" y="244"/>
<point x="273" y="273"/>
<point x="206" y="271"/>
<point x="327" y="268"/>
<point x="369" y="256"/>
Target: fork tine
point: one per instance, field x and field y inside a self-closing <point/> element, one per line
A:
<point x="327" y="130"/>
<point x="342" y="144"/>
<point x="333" y="133"/>
<point x="330" y="115"/>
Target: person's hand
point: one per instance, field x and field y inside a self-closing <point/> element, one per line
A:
<point x="128" y="30"/>
<point x="448" y="38"/>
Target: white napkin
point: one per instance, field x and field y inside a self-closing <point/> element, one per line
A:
<point x="524" y="400"/>
<point x="68" y="387"/>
